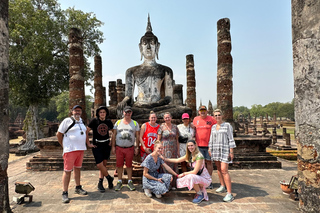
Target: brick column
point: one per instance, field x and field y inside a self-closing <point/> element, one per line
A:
<point x="224" y="72"/>
<point x="98" y="88"/>
<point x="191" y="100"/>
<point x="76" y="71"/>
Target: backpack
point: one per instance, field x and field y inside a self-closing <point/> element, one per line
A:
<point x="73" y="123"/>
<point x="135" y="122"/>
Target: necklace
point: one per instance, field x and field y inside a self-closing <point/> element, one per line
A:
<point x="80" y="128"/>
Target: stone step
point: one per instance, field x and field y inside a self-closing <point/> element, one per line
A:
<point x="255" y="165"/>
<point x="255" y="158"/>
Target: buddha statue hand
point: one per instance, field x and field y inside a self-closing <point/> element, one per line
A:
<point x="121" y="105"/>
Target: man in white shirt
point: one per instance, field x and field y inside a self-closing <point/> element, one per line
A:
<point x="72" y="137"/>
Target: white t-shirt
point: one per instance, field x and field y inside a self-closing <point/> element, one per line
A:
<point x="73" y="140"/>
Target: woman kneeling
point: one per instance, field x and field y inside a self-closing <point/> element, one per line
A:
<point x="198" y="178"/>
<point x="153" y="181"/>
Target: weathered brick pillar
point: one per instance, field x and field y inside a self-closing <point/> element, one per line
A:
<point x="267" y="118"/>
<point x="254" y="129"/>
<point x="288" y="139"/>
<point x="274" y="135"/>
<point x="76" y="71"/>
<point x="275" y="117"/>
<point x="98" y="88"/>
<point x="224" y="72"/>
<point x="177" y="95"/>
<point x="249" y="118"/>
<point x="246" y="127"/>
<point x="306" y="71"/>
<point x="210" y="108"/>
<point x="120" y="88"/>
<point x="255" y="120"/>
<point x="261" y="121"/>
<point x="104" y="96"/>
<point x="112" y="93"/>
<point x="284" y="132"/>
<point x="264" y="130"/>
<point x="191" y="100"/>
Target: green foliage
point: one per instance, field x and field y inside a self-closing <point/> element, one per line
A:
<point x="61" y="103"/>
<point x="257" y="110"/>
<point x="39" y="48"/>
<point x="281" y="110"/>
<point x="244" y="111"/>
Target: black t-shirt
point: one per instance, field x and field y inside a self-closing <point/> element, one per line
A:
<point x="100" y="129"/>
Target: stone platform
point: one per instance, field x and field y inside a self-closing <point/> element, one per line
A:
<point x="249" y="154"/>
<point x="255" y="190"/>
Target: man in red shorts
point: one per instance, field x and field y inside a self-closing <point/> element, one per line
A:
<point x="125" y="144"/>
<point x="203" y="124"/>
<point x="73" y="138"/>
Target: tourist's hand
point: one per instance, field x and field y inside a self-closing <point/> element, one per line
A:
<point x="181" y="175"/>
<point x="160" y="180"/>
<point x="148" y="150"/>
<point x="136" y="151"/>
<point x="231" y="156"/>
<point x="209" y="152"/>
<point x="91" y="145"/>
<point x="163" y="158"/>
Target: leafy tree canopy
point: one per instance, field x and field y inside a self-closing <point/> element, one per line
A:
<point x="39" y="48"/>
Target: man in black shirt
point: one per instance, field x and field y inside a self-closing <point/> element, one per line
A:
<point x="102" y="144"/>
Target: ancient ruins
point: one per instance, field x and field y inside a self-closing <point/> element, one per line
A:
<point x="306" y="64"/>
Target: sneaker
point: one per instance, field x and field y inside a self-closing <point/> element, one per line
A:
<point x="131" y="186"/>
<point x="65" y="198"/>
<point x="118" y="186"/>
<point x="198" y="198"/>
<point x="158" y="196"/>
<point x="110" y="182"/>
<point x="221" y="189"/>
<point x="100" y="187"/>
<point x="228" y="198"/>
<point x="147" y="192"/>
<point x="80" y="191"/>
<point x="210" y="186"/>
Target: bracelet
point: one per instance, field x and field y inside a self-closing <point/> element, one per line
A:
<point x="177" y="175"/>
<point x="231" y="152"/>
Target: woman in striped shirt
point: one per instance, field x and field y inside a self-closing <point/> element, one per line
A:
<point x="221" y="146"/>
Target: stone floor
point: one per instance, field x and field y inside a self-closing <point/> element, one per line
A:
<point x="254" y="191"/>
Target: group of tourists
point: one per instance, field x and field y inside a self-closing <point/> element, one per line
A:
<point x="195" y="145"/>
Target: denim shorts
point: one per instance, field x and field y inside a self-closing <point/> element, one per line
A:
<point x="204" y="151"/>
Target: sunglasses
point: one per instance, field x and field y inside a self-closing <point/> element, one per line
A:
<point x="217" y="115"/>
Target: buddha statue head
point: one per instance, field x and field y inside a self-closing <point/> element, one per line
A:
<point x="149" y="45"/>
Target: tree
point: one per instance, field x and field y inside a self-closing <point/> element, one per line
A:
<point x="62" y="105"/>
<point x="287" y="110"/>
<point x="273" y="108"/>
<point x="39" y="54"/>
<point x="4" y="106"/>
<point x="257" y="110"/>
<point x="240" y="110"/>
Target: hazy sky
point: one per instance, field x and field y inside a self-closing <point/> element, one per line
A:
<point x="260" y="37"/>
